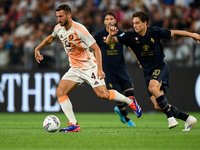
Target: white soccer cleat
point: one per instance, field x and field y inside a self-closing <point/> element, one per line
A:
<point x="189" y="123"/>
<point x="172" y="122"/>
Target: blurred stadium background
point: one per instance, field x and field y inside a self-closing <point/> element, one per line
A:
<point x="26" y="86"/>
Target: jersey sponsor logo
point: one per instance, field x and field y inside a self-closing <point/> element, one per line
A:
<point x="145" y="48"/>
<point x="121" y="34"/>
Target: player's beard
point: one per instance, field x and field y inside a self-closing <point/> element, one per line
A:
<point x="64" y="23"/>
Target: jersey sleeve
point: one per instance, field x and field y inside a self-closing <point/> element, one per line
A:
<point x="54" y="34"/>
<point x="86" y="37"/>
<point x="89" y="40"/>
<point x="122" y="38"/>
<point x="163" y="33"/>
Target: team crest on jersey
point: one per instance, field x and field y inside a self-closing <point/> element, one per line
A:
<point x="136" y="40"/>
<point x="104" y="38"/>
<point x="71" y="37"/>
<point x="152" y="40"/>
<point x="61" y="36"/>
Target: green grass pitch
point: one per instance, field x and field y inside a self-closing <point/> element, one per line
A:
<point x="99" y="131"/>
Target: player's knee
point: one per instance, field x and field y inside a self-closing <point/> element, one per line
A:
<point x="102" y="94"/>
<point x="152" y="89"/>
<point x="59" y="92"/>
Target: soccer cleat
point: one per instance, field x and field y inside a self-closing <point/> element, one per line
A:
<point x="71" y="128"/>
<point x="172" y="122"/>
<point x="135" y="107"/>
<point x="189" y="123"/>
<point x="130" y="123"/>
<point x="121" y="118"/>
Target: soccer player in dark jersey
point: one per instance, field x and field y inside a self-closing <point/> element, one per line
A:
<point x="144" y="41"/>
<point x="114" y="67"/>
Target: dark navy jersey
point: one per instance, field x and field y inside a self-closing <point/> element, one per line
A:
<point x="112" y="55"/>
<point x="148" y="48"/>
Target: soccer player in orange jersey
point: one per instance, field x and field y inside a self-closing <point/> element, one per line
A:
<point x="84" y="65"/>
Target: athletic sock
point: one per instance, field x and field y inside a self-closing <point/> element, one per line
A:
<point x="163" y="103"/>
<point x="122" y="109"/>
<point x="179" y="114"/>
<point x="66" y="106"/>
<point x="116" y="96"/>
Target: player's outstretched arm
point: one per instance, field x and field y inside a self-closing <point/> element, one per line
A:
<point x="111" y="39"/>
<point x="195" y="36"/>
<point x="48" y="40"/>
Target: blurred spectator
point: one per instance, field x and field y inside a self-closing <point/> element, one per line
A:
<point x="24" y="30"/>
<point x="29" y="47"/>
<point x="172" y="14"/>
<point x="16" y="54"/>
<point x="182" y="53"/>
<point x="176" y="23"/>
<point x="124" y="4"/>
<point x="190" y="15"/>
<point x="119" y="13"/>
<point x="98" y="25"/>
<point x="23" y="16"/>
<point x="157" y="19"/>
<point x="149" y="3"/>
<point x="2" y="14"/>
<point x="170" y="53"/>
<point x="4" y="56"/>
<point x="12" y="15"/>
<point x="7" y="41"/>
<point x="127" y="20"/>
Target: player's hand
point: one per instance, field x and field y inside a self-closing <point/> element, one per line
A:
<point x="100" y="74"/>
<point x="38" y="57"/>
<point x="196" y="37"/>
<point x="113" y="31"/>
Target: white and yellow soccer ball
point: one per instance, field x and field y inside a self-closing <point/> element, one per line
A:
<point x="51" y="123"/>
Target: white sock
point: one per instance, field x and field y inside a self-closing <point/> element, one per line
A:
<point x="116" y="96"/>
<point x="66" y="106"/>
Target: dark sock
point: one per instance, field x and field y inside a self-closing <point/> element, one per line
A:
<point x="163" y="103"/>
<point x="179" y="114"/>
<point x="122" y="108"/>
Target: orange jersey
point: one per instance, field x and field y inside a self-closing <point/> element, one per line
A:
<point x="76" y="41"/>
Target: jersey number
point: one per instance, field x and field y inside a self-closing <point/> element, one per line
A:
<point x="156" y="72"/>
<point x="93" y="76"/>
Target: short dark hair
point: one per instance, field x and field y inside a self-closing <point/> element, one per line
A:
<point x="64" y="7"/>
<point x="142" y="15"/>
<point x="109" y="13"/>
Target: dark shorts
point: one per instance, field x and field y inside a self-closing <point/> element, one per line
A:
<point x="160" y="73"/>
<point x="119" y="82"/>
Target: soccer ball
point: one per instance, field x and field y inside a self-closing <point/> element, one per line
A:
<point x="51" y="123"/>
